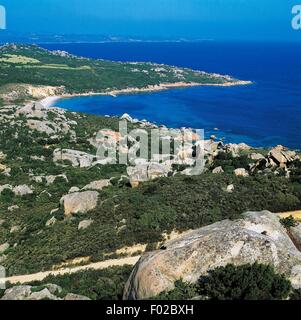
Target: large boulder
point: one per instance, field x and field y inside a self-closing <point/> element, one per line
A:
<point x="236" y="149"/>
<point x="33" y="110"/>
<point x="17" y="293"/>
<point x="42" y="295"/>
<point x="75" y="157"/>
<point x="258" y="237"/>
<point x="241" y="172"/>
<point x="97" y="185"/>
<point x="22" y="190"/>
<point x="281" y="156"/>
<point x="79" y="202"/>
<point x="147" y="171"/>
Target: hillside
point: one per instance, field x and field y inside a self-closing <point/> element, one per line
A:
<point x="61" y="205"/>
<point x="48" y="154"/>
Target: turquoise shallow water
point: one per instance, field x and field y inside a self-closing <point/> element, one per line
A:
<point x="263" y="114"/>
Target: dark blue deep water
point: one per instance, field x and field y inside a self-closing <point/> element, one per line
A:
<point x="264" y="114"/>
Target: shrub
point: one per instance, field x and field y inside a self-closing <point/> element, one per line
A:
<point x="289" y="222"/>
<point x="247" y="282"/>
<point x="182" y="291"/>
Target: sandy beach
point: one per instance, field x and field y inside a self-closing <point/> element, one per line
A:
<point x="50" y="101"/>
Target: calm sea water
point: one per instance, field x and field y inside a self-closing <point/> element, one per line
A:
<point x="263" y="114"/>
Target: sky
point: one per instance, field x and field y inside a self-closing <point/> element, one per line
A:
<point x="201" y="19"/>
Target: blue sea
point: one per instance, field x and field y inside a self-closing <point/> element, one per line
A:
<point x="264" y="114"/>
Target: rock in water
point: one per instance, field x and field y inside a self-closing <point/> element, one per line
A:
<point x="258" y="237"/>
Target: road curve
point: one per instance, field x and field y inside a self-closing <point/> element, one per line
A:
<point x="92" y="266"/>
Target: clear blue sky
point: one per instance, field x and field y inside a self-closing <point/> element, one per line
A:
<point x="213" y="19"/>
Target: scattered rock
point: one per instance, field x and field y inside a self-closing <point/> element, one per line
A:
<point x="79" y="202"/>
<point x="146" y="171"/>
<point x="54" y="288"/>
<point x="51" y="222"/>
<point x="2" y="156"/>
<point x="15" y="229"/>
<point x="126" y="117"/>
<point x="4" y="247"/>
<point x="17" y="293"/>
<point x="74" y="189"/>
<point x="241" y="172"/>
<point x="49" y="179"/>
<point x="72" y="296"/>
<point x="97" y="185"/>
<point x="217" y="170"/>
<point x="85" y="224"/>
<point x="256" y="156"/>
<point x="230" y="188"/>
<point x="42" y="295"/>
<point x="237" y="148"/>
<point x="48" y="292"/>
<point x="77" y="158"/>
<point x="13" y="208"/>
<point x="22" y="190"/>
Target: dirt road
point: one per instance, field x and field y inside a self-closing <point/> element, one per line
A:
<point x="94" y="266"/>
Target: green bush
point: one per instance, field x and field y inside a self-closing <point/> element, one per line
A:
<point x="107" y="284"/>
<point x="247" y="282"/>
<point x="182" y="291"/>
<point x="289" y="222"/>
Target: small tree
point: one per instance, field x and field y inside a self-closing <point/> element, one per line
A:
<point x="289" y="222"/>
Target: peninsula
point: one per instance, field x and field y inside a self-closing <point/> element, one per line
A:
<point x="28" y="72"/>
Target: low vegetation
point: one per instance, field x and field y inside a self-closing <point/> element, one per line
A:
<point x="39" y="67"/>
<point x="246" y="282"/>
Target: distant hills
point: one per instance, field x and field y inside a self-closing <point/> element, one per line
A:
<point x="34" y="38"/>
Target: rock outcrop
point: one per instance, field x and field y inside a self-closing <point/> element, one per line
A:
<point x="46" y="292"/>
<point x="75" y="157"/>
<point x="79" y="202"/>
<point x="97" y="185"/>
<point x="241" y="172"/>
<point x="85" y="224"/>
<point x="258" y="237"/>
<point x="147" y="171"/>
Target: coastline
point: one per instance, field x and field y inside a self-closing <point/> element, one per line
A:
<point x="50" y="100"/>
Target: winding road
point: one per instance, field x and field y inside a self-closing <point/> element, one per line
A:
<point x="92" y="266"/>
